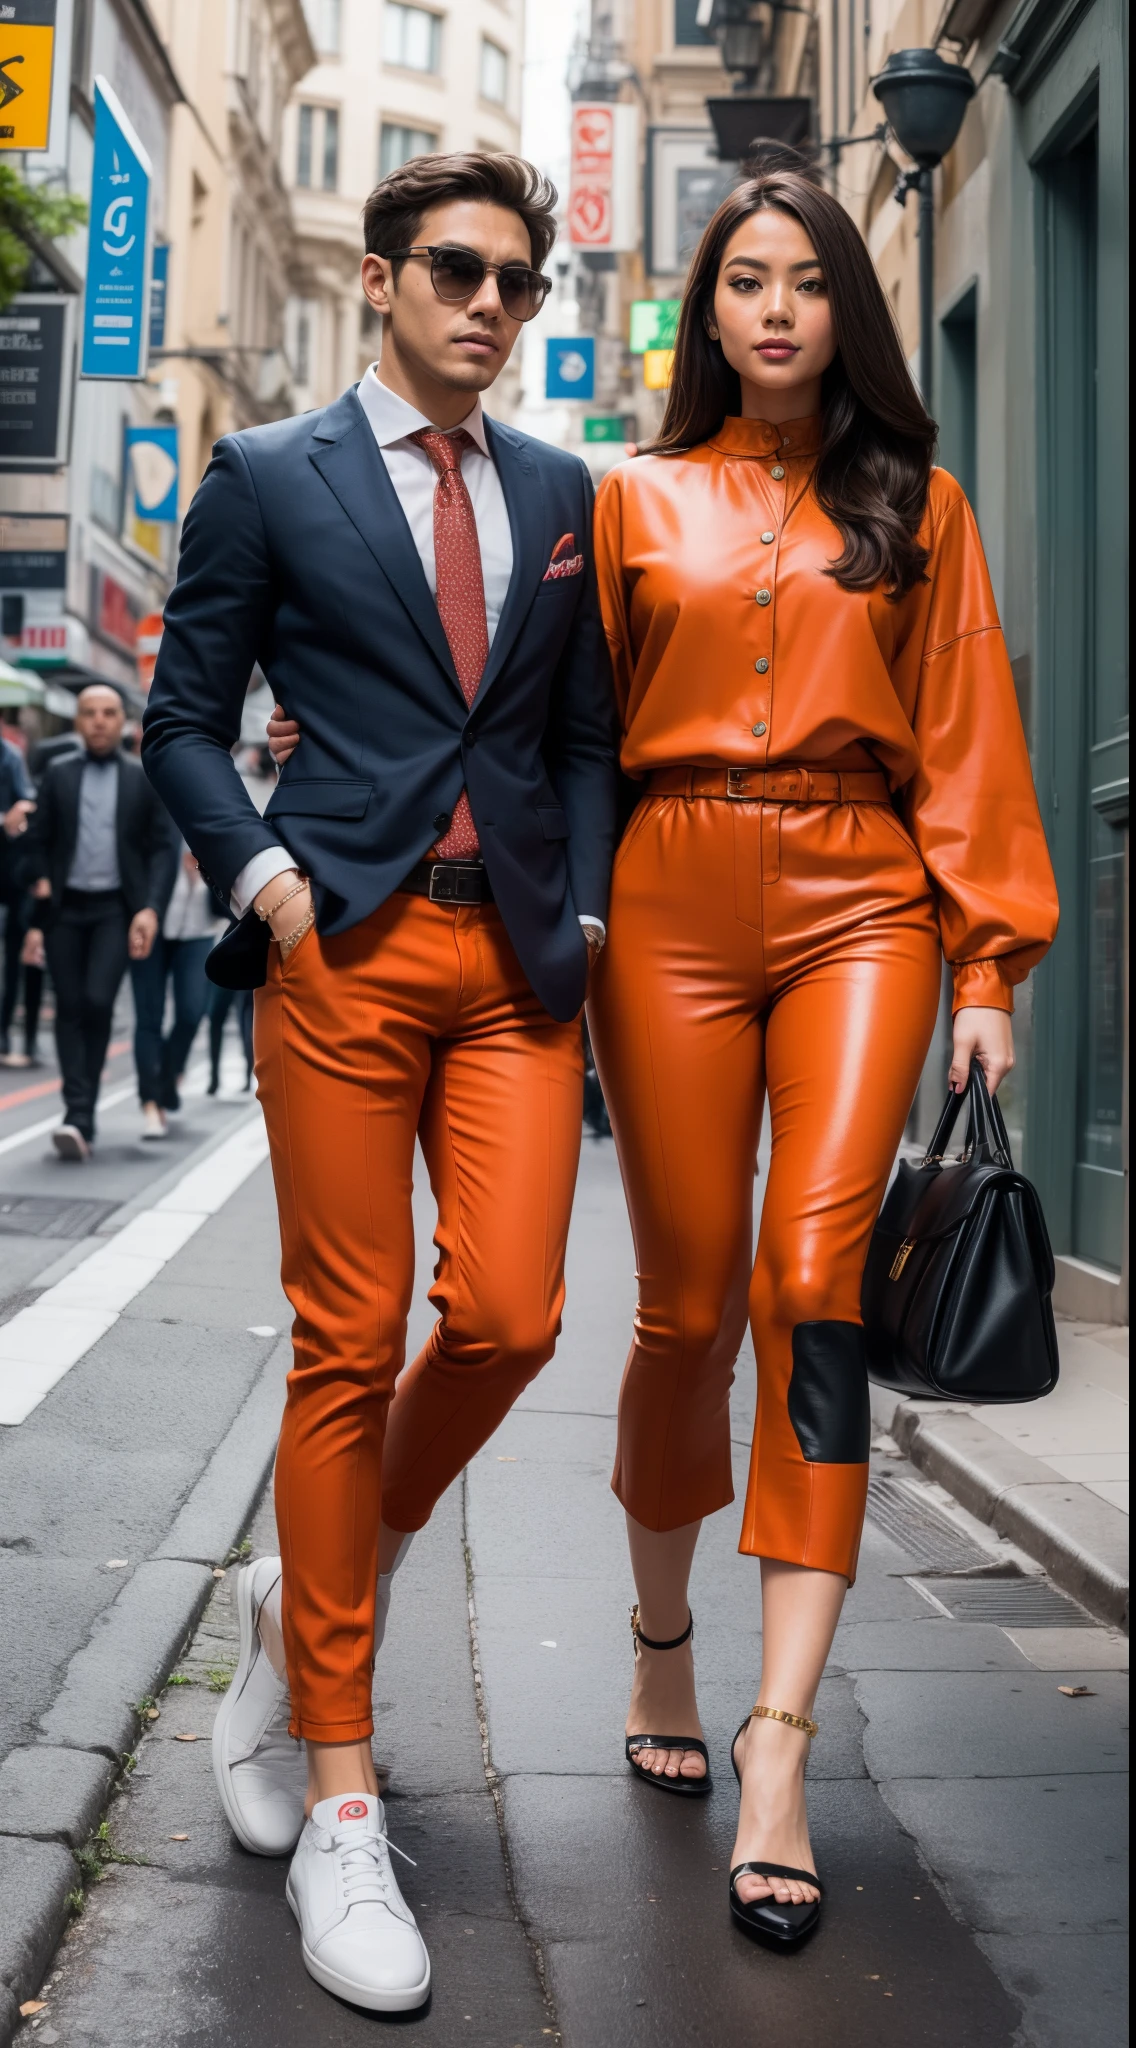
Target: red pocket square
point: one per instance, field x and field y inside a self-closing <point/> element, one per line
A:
<point x="564" y="561"/>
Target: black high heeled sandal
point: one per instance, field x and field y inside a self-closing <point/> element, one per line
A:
<point x="766" y="1920"/>
<point x="689" y="1788"/>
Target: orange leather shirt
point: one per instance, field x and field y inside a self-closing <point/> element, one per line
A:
<point x="730" y="644"/>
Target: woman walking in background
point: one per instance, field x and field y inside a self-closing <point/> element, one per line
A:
<point x="816" y="697"/>
<point x="190" y="930"/>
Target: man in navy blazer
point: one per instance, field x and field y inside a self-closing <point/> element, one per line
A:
<point x="416" y="908"/>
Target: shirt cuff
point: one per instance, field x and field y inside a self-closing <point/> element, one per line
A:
<point x="595" y="924"/>
<point x="982" y="985"/>
<point x="256" y="874"/>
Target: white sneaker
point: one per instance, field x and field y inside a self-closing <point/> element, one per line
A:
<point x="261" y="1770"/>
<point x="360" y="1939"/>
<point x="154" y="1125"/>
<point x="70" y="1143"/>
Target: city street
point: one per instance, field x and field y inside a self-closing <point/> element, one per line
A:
<point x="967" y="1797"/>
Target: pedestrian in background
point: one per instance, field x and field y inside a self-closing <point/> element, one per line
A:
<point x="17" y="802"/>
<point x="177" y="958"/>
<point x="219" y="1002"/>
<point x="102" y="856"/>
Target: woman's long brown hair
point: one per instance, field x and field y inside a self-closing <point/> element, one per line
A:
<point x="877" y="441"/>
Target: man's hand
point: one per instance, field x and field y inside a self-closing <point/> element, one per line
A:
<point x="143" y="931"/>
<point x="283" y="735"/>
<point x="284" y="919"/>
<point x="33" y="953"/>
<point x="41" y="890"/>
<point x="16" y="820"/>
<point x="988" y="1037"/>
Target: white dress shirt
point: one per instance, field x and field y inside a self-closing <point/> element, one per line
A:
<point x="392" y="421"/>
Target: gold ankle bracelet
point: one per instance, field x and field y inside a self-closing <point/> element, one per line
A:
<point x="801" y="1721"/>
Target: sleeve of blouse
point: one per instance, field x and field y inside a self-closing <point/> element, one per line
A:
<point x="612" y="590"/>
<point x="972" y="808"/>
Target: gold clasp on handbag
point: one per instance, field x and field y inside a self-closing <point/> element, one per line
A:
<point x="901" y="1258"/>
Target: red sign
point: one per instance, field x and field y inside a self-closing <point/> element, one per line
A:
<point x="117" y="616"/>
<point x="590" y="205"/>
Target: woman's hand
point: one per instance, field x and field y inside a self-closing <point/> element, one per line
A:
<point x="283" y="918"/>
<point x="986" y="1036"/>
<point x="283" y="735"/>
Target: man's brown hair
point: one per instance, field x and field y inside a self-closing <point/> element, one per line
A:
<point x="392" y="216"/>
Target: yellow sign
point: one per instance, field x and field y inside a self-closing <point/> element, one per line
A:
<point x="26" y="51"/>
<point x="657" y="366"/>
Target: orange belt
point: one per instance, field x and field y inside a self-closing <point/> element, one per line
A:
<point x="789" y="784"/>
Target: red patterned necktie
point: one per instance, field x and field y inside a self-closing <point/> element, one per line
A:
<point x="461" y="598"/>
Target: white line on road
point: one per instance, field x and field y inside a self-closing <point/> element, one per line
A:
<point x="52" y="1123"/>
<point x="45" y="1340"/>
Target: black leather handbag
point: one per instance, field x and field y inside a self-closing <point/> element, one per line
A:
<point x="957" y="1286"/>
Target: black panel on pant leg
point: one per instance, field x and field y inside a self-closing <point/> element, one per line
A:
<point x="828" y="1393"/>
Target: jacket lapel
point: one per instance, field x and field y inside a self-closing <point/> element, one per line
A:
<point x="348" y="459"/>
<point x="524" y="502"/>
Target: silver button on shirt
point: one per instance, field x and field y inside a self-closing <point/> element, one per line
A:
<point x="95" y="862"/>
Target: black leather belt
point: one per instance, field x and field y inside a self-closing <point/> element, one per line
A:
<point x="449" y="881"/>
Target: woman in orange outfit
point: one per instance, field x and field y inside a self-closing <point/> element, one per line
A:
<point x="817" y="703"/>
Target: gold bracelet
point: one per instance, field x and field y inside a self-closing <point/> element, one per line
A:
<point x="291" y="940"/>
<point x="296" y="889"/>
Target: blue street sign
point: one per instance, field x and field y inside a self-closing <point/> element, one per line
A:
<point x="152" y="453"/>
<point x="159" y="273"/>
<point x="571" y="367"/>
<point x="116" y="314"/>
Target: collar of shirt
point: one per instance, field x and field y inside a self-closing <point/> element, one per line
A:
<point x="393" y="419"/>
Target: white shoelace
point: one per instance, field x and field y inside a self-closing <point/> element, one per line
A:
<point x="366" y="1875"/>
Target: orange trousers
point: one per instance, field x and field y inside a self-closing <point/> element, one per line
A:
<point x="757" y="948"/>
<point x="417" y="1023"/>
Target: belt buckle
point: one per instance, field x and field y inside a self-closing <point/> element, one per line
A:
<point x="735" y="784"/>
<point x="452" y="883"/>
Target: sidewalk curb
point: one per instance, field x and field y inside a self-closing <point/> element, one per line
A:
<point x="1080" y="1539"/>
<point x="55" y="1790"/>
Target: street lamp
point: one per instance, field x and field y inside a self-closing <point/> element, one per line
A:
<point x="924" y="99"/>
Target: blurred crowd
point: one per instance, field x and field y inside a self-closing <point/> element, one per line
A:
<point x="96" y="886"/>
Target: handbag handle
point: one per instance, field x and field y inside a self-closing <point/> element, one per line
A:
<point x="986" y="1135"/>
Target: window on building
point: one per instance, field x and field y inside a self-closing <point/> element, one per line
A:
<point x="304" y="146"/>
<point x="958" y="398"/>
<point x="686" y="29"/>
<point x="317" y="147"/>
<point x="398" y="144"/>
<point x="330" y="149"/>
<point x="412" y="37"/>
<point x="494" y="72"/>
<point x="325" y="20"/>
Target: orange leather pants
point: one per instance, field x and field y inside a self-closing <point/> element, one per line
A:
<point x="758" y="947"/>
<point x="418" y="1022"/>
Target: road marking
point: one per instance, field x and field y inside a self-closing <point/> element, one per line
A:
<point x="51" y="1086"/>
<point x="52" y="1123"/>
<point x="44" y="1341"/>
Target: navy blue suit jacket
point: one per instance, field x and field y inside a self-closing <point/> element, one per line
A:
<point x="296" y="554"/>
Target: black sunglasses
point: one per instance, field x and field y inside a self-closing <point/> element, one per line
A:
<point x="456" y="274"/>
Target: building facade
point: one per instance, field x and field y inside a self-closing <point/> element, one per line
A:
<point x="204" y="87"/>
<point x="393" y="81"/>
